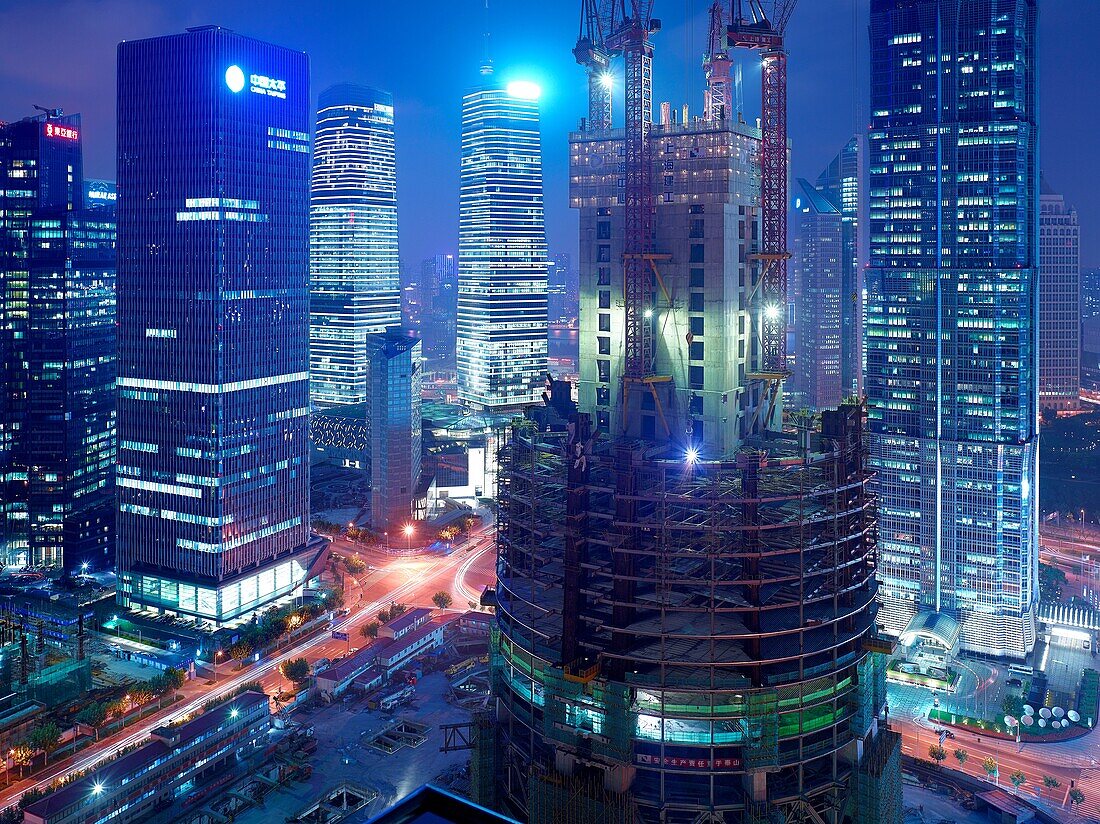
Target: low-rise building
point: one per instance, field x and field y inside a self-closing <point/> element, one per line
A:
<point x="404" y="623"/>
<point x="424" y="638"/>
<point x="171" y="770"/>
<point x="336" y="679"/>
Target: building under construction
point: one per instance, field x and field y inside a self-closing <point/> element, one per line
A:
<point x="686" y="620"/>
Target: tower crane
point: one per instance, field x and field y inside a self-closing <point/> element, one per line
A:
<point x="591" y="51"/>
<point x="631" y="35"/>
<point x="759" y="25"/>
<point x="716" y="65"/>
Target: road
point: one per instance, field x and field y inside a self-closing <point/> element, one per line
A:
<point x="407" y="579"/>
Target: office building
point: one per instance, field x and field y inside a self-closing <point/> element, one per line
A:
<point x="817" y="298"/>
<point x="952" y="318"/>
<point x="179" y="765"/>
<point x="501" y="345"/>
<point x="57" y="350"/>
<point x="395" y="428"/>
<point x="685" y="603"/>
<point x="840" y="182"/>
<point x="1059" y="302"/>
<point x="354" y="266"/>
<point x="1090" y="293"/>
<point x="213" y="470"/>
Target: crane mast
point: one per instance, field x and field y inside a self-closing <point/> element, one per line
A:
<point x="759" y="25"/>
<point x="591" y="51"/>
<point x="632" y="38"/>
<point x="716" y="64"/>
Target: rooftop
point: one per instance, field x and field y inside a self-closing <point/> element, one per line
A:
<point x="431" y="805"/>
<point x="365" y="657"/>
<point x="121" y="769"/>
<point x="408" y="619"/>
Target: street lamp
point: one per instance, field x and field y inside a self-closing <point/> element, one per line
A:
<point x="217" y="655"/>
<point x="409" y="536"/>
<point x="118" y="629"/>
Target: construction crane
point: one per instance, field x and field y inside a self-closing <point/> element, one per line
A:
<point x="716" y="64"/>
<point x="759" y="25"/>
<point x="591" y="51"/>
<point x="631" y="36"/>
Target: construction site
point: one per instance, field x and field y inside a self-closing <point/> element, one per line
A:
<point x="686" y="620"/>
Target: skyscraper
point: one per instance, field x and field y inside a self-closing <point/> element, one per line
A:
<point x="818" y="269"/>
<point x="952" y="316"/>
<point x="57" y="351"/>
<point x="502" y="324"/>
<point x="354" y="266"/>
<point x="394" y="416"/>
<point x="213" y="474"/>
<point x="685" y="604"/>
<point x="1059" y="302"/>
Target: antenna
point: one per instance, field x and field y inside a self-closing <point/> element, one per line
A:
<point x="487" y="61"/>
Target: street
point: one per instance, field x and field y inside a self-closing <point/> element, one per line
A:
<point x="407" y="579"/>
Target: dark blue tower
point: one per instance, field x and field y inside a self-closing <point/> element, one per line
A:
<point x="213" y="192"/>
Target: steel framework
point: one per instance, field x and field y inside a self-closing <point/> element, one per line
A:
<point x="592" y="52"/>
<point x="759" y="25"/>
<point x="716" y="65"/>
<point x="632" y="38"/>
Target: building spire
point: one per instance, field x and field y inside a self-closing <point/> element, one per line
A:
<point x="487" y="60"/>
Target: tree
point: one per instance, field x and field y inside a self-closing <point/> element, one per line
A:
<point x="990" y="766"/>
<point x="45" y="737"/>
<point x="1018" y="778"/>
<point x="1051" y="580"/>
<point x="1050" y="782"/>
<point x="370" y="629"/>
<point x="94" y="715"/>
<point x="296" y="670"/>
<point x="383" y="615"/>
<point x="21" y="755"/>
<point x="239" y="651"/>
<point x="355" y="565"/>
<point x="442" y="599"/>
<point x="1013" y="705"/>
<point x="938" y="753"/>
<point x="1076" y="796"/>
<point x="961" y="756"/>
<point x="397" y="609"/>
<point x="140" y="696"/>
<point x="174" y="678"/>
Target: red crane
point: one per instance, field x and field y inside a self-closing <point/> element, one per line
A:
<point x="759" y="25"/>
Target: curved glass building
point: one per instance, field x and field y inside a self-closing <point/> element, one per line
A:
<point x="353" y="251"/>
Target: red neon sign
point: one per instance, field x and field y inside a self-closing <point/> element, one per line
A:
<point x="63" y="132"/>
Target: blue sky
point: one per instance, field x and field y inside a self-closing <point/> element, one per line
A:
<point x="62" y="53"/>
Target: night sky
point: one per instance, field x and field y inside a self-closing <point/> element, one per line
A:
<point x="62" y="53"/>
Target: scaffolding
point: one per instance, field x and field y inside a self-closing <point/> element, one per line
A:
<point x="695" y="633"/>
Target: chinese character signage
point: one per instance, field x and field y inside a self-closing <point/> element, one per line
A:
<point x="63" y="132"/>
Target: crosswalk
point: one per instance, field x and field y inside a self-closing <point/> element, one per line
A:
<point x="1089" y="784"/>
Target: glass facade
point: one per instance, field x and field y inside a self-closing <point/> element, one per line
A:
<point x="354" y="265"/>
<point x="502" y="263"/>
<point x="57" y="349"/>
<point x="952" y="311"/>
<point x="1059" y="303"/>
<point x="213" y="162"/>
<point x="395" y="426"/>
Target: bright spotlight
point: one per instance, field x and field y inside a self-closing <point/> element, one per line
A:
<point x="648" y="313"/>
<point x="524" y="90"/>
<point x="408" y="529"/>
<point x="97" y="788"/>
<point x="607" y="80"/>
<point x="772" y="312"/>
<point x="692" y="455"/>
<point x="233" y="713"/>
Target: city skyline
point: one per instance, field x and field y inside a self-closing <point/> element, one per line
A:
<point x="828" y="79"/>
